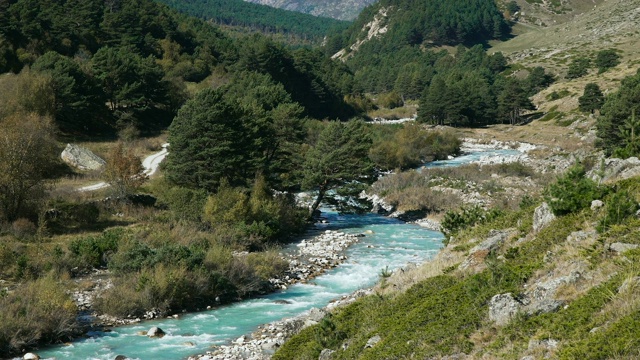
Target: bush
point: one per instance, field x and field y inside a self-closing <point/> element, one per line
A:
<point x="618" y="207"/>
<point x="184" y="204"/>
<point x="454" y="221"/>
<point x="572" y="192"/>
<point x="23" y="228"/>
<point x="411" y="146"/>
<point x="91" y="251"/>
<point x="390" y="100"/>
<point x="606" y="59"/>
<point x="37" y="312"/>
<point x="261" y="216"/>
<point x="63" y="214"/>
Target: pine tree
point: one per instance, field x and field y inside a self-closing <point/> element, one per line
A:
<point x="339" y="158"/>
<point x="592" y="98"/>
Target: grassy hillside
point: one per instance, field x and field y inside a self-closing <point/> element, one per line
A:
<point x="608" y="25"/>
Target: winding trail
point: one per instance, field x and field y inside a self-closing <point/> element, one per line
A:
<point x="150" y="165"/>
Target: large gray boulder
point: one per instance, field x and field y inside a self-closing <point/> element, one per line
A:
<point x="495" y="240"/>
<point x="542" y="216"/>
<point x="502" y="308"/>
<point x="541" y="296"/>
<point x="155" y="332"/>
<point x="81" y="158"/>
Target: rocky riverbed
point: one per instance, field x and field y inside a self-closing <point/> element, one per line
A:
<point x="313" y="257"/>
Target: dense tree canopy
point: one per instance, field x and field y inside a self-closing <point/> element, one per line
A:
<point x="469" y="90"/>
<point x="211" y="140"/>
<point x="295" y="26"/>
<point x="337" y="160"/>
<point x="617" y="126"/>
<point x="123" y="64"/>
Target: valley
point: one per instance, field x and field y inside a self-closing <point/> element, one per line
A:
<point x="442" y="180"/>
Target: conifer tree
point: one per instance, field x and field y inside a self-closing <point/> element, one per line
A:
<point x="592" y="98"/>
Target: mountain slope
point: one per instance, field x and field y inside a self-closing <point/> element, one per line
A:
<point x="609" y="25"/>
<point x="337" y="9"/>
<point x="255" y="17"/>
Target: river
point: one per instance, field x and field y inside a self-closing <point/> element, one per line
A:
<point x="392" y="243"/>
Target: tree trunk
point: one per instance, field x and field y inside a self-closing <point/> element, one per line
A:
<point x="317" y="202"/>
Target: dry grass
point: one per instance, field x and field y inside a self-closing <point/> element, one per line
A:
<point x="625" y="301"/>
<point x="407" y="111"/>
<point x="401" y="280"/>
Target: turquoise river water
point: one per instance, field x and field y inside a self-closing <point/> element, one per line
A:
<point x="393" y="244"/>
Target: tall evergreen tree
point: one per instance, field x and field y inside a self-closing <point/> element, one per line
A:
<point x="512" y="100"/>
<point x="592" y="98"/>
<point x="617" y="109"/>
<point x="209" y="142"/>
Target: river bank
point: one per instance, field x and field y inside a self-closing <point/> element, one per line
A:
<point x="309" y="271"/>
<point x="262" y="343"/>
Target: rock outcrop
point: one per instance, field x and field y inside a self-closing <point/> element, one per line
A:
<point x="502" y="308"/>
<point x="81" y="158"/>
<point x="542" y="216"/>
<point x="475" y="259"/>
<point x="613" y="169"/>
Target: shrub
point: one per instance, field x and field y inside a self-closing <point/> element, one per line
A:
<point x="572" y="192"/>
<point x="411" y="146"/>
<point x="618" y="207"/>
<point x="454" y="221"/>
<point x="606" y="59"/>
<point x="23" y="228"/>
<point x="63" y="214"/>
<point x="35" y="313"/>
<point x="91" y="250"/>
<point x="165" y="288"/>
<point x="261" y="216"/>
<point x="390" y="100"/>
<point x="184" y="203"/>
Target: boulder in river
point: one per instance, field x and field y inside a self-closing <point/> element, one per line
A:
<point x="155" y="332"/>
<point x="31" y="356"/>
<point x="81" y="158"/>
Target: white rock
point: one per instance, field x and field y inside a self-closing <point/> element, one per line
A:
<point x="81" y="158"/>
<point x="542" y="216"/>
<point x="596" y="204"/>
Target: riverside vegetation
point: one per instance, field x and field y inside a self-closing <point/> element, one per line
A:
<point x="244" y="119"/>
